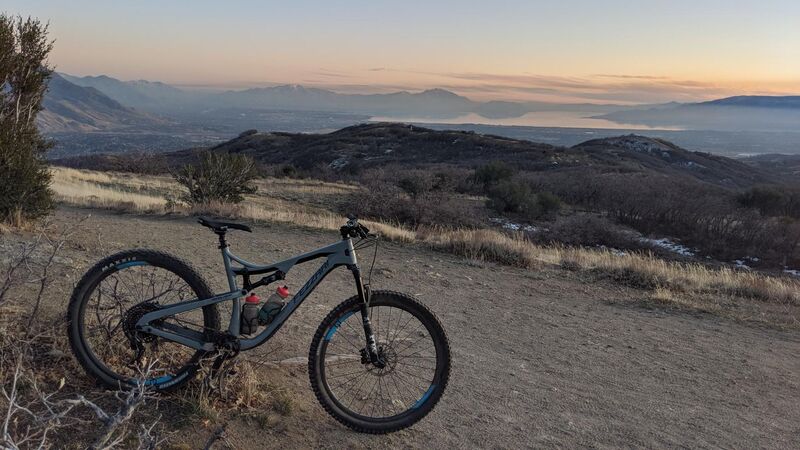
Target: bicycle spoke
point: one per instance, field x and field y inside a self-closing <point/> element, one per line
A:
<point x="110" y="304"/>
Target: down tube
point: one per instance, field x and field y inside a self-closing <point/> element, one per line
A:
<point x="290" y="307"/>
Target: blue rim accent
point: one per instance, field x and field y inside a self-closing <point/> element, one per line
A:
<point x="424" y="397"/>
<point x="131" y="264"/>
<point x="336" y="325"/>
<point x="159" y="380"/>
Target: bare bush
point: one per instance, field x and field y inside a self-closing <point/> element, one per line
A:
<point x="492" y="173"/>
<point x="116" y="426"/>
<point x="701" y="215"/>
<point x="33" y="415"/>
<point x="516" y="197"/>
<point x="772" y="200"/>
<point x="220" y="177"/>
<point x="389" y="203"/>
<point x="587" y="230"/>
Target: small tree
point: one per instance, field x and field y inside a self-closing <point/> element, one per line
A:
<point x="516" y="197"/>
<point x="549" y="204"/>
<point x="512" y="196"/>
<point x="24" y="74"/>
<point x="218" y="177"/>
<point x="492" y="173"/>
<point x="416" y="183"/>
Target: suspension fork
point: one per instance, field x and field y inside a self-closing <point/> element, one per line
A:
<point x="364" y="295"/>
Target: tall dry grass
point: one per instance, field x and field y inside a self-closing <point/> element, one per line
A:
<point x="680" y="281"/>
<point x="109" y="191"/>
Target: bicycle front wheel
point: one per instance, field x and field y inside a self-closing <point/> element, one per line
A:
<point x="416" y="363"/>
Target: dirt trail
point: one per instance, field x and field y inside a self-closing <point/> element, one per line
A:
<point x="540" y="359"/>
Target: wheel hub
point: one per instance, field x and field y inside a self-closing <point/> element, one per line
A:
<point x="386" y="354"/>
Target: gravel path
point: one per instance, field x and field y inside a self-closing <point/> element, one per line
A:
<point x="540" y="359"/>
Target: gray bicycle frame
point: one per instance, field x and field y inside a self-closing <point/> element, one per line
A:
<point x="338" y="254"/>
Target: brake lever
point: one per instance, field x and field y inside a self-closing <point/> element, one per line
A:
<point x="363" y="231"/>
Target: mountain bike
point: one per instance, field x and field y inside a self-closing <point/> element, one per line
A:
<point x="379" y="361"/>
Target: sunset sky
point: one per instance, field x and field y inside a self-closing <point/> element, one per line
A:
<point x="565" y="51"/>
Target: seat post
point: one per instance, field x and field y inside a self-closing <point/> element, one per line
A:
<point x="222" y="242"/>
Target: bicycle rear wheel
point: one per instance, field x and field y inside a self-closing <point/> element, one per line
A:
<point x="110" y="299"/>
<point x="369" y="399"/>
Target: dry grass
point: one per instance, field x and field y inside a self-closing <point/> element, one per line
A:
<point x="694" y="286"/>
<point x="315" y="187"/>
<point x="108" y="191"/>
<point x="146" y="194"/>
<point x="648" y="272"/>
<point x="491" y="245"/>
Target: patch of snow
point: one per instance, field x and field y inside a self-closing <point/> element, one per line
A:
<point x="691" y="165"/>
<point x="743" y="263"/>
<point x="739" y="263"/>
<point x="339" y="162"/>
<point x="509" y="225"/>
<point x="612" y="250"/>
<point x="792" y="272"/>
<point x="667" y="244"/>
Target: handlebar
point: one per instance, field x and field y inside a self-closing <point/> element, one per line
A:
<point x="353" y="229"/>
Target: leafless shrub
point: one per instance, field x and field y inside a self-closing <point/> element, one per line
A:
<point x="116" y="425"/>
<point x="31" y="414"/>
<point x="389" y="202"/>
<point x="700" y="214"/>
<point x="220" y="177"/>
<point x="587" y="230"/>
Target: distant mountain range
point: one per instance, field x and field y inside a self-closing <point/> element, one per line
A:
<point x="152" y="96"/>
<point x="158" y="97"/>
<point x="161" y="98"/>
<point x="757" y="101"/>
<point x="739" y="113"/>
<point x="72" y="108"/>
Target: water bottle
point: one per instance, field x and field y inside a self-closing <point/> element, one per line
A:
<point x="273" y="306"/>
<point x="249" y="323"/>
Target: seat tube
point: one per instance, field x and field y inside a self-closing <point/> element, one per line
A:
<point x="233" y="327"/>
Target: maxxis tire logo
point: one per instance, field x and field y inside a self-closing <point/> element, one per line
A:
<point x="120" y="262"/>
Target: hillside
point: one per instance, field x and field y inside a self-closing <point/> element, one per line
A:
<point x="640" y="152"/>
<point x="785" y="165"/>
<point x="371" y="145"/>
<point x="152" y="96"/>
<point x="381" y="144"/>
<point x="72" y="108"/>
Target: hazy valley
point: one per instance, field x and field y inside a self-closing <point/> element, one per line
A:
<point x="121" y="116"/>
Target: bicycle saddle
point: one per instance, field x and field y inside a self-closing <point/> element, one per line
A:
<point x="221" y="227"/>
